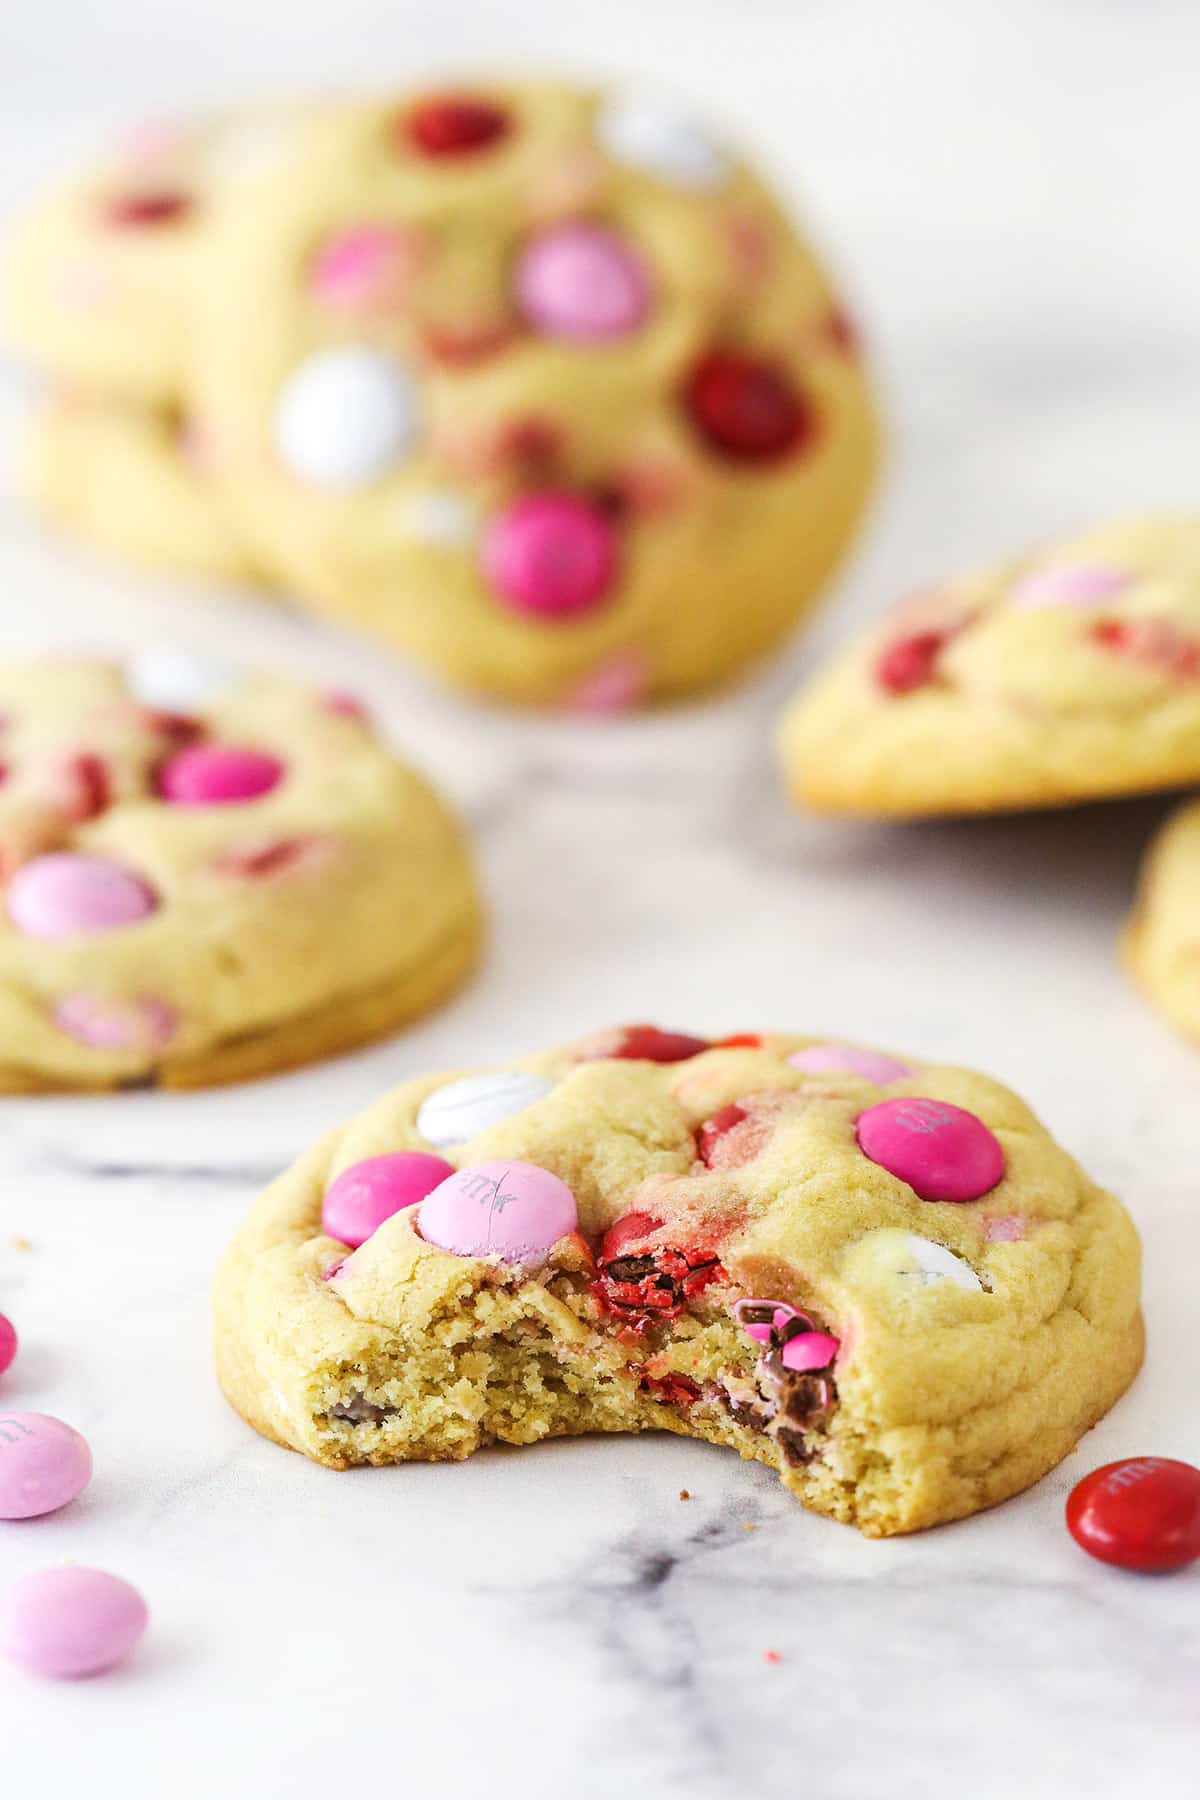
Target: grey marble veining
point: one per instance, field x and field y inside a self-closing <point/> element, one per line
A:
<point x="1008" y="191"/>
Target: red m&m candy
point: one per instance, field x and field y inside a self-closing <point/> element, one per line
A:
<point x="646" y="1043"/>
<point x="1142" y="1513"/>
<point x="746" y="407"/>
<point x="456" y="124"/>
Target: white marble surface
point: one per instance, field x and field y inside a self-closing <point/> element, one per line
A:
<point x="1010" y="192"/>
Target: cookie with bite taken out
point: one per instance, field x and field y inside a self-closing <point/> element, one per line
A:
<point x="880" y="1277"/>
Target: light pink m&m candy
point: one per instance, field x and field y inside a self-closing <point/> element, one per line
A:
<point x="216" y="774"/>
<point x="57" y="895"/>
<point x="872" y="1065"/>
<point x="1071" y="584"/>
<point x="106" y="1023"/>
<point x="551" y="555"/>
<point x="364" y="267"/>
<point x="583" y="282"/>
<point x="513" y="1210"/>
<point x="44" y="1464"/>
<point x="367" y="1193"/>
<point x="8" y="1343"/>
<point x="70" y="1622"/>
<point x="942" y="1151"/>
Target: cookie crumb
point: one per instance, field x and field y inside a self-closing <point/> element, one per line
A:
<point x="19" y="1241"/>
<point x="772" y="1656"/>
<point x="683" y="1494"/>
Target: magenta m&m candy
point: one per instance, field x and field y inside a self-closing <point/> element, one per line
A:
<point x="216" y="774"/>
<point x="513" y="1210"/>
<point x="1142" y="1513"/>
<point x="66" y="892"/>
<point x="551" y="555"/>
<point x="872" y="1065"/>
<point x="364" y="1195"/>
<point x="8" y="1343"/>
<point x="582" y="282"/>
<point x="44" y="1464"/>
<point x="69" y="1622"/>
<point x="943" y="1152"/>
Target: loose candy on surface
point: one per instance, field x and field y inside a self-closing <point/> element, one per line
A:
<point x="217" y="774"/>
<point x="108" y="1023"/>
<point x="872" y="1065"/>
<point x="177" y="681"/>
<point x="1141" y="1513"/>
<point x="661" y="140"/>
<point x="514" y="1210"/>
<point x="345" y="415"/>
<point x="582" y="282"/>
<point x="550" y="555"/>
<point x="69" y="1622"/>
<point x="8" y="1343"/>
<point x="462" y="1109"/>
<point x="942" y="1151"/>
<point x="57" y="895"/>
<point x="364" y="1195"/>
<point x="44" y="1464"/>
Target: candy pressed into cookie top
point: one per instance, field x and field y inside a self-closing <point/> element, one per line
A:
<point x="203" y="875"/>
<point x="878" y="1275"/>
<point x="1071" y="674"/>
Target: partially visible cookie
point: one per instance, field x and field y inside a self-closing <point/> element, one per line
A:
<point x="132" y="480"/>
<point x="540" y="384"/>
<point x="1072" y="673"/>
<point x="882" y="1278"/>
<point x="1162" y="938"/>
<point x="98" y="279"/>
<point x="205" y="877"/>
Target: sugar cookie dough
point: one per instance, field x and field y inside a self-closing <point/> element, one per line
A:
<point x="882" y="1278"/>
<point x="1070" y="674"/>
<point x="205" y="877"/>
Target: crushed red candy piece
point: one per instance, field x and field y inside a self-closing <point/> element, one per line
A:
<point x="739" y="1040"/>
<point x="643" y="1281"/>
<point x="162" y="207"/>
<point x="78" y="787"/>
<point x="842" y="332"/>
<point x="646" y="1043"/>
<point x="461" y="348"/>
<point x="910" y="662"/>
<point x="1156" y="642"/>
<point x="672" y="1390"/>
<point x="274" y="857"/>
<point x="772" y="1656"/>
<point x="747" y="407"/>
<point x="456" y="124"/>
<point x="715" y="1128"/>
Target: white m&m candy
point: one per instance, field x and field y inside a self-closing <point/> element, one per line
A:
<point x="462" y="1109"/>
<point x="653" y="135"/>
<point x="923" y="1262"/>
<point x="345" y="415"/>
<point x="177" y="681"/>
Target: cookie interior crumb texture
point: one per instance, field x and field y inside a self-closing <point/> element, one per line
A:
<point x="741" y="1271"/>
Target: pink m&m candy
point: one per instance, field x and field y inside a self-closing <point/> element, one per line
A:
<point x="107" y="1023"/>
<point x="513" y="1210"/>
<point x="8" y="1343"/>
<point x="44" y="1464"/>
<point x="583" y="282"/>
<point x="809" y="1350"/>
<point x="1071" y="584"/>
<point x="57" y="895"/>
<point x="364" y="267"/>
<point x="69" y="1622"/>
<point x="872" y="1065"/>
<point x="215" y="774"/>
<point x="942" y="1151"/>
<point x="551" y="555"/>
<point x="367" y="1193"/>
<point x="1143" y="1513"/>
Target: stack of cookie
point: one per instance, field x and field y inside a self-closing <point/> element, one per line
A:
<point x="1071" y="673"/>
<point x="539" y="384"/>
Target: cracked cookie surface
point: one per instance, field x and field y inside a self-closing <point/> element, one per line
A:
<point x="1162" y="938"/>
<point x="205" y="876"/>
<point x="645" y="1231"/>
<point x="1070" y="674"/>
